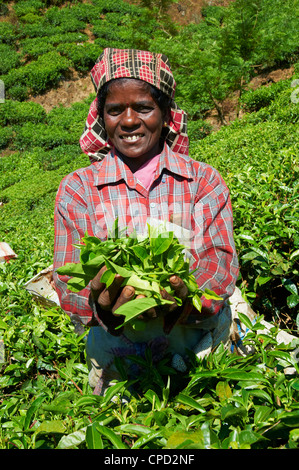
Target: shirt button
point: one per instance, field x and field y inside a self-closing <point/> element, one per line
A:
<point x="152" y="204"/>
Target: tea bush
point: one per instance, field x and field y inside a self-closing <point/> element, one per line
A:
<point x="14" y="112"/>
<point x="9" y="58"/>
<point x="38" y="75"/>
<point x="254" y="100"/>
<point x="6" y="137"/>
<point x="34" y="47"/>
<point x="7" y="33"/>
<point x="82" y="56"/>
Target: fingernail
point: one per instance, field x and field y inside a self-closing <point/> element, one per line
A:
<point x="128" y="292"/>
<point x="174" y="280"/>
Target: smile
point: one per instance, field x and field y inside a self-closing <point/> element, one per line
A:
<point x="131" y="138"/>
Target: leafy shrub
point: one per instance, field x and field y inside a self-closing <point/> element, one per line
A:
<point x="3" y="9"/>
<point x="40" y="74"/>
<point x="225" y="402"/>
<point x="58" y="157"/>
<point x="120" y="6"/>
<point x="214" y="12"/>
<point x="10" y="58"/>
<point x="35" y="47"/>
<point x="282" y="109"/>
<point x="33" y="135"/>
<point x="86" y="12"/>
<point x="12" y="112"/>
<point x="27" y="7"/>
<point x="82" y="56"/>
<point x="70" y="118"/>
<point x="6" y="136"/>
<point x="38" y="29"/>
<point x="64" y="18"/>
<point x="198" y="130"/>
<point x="15" y="167"/>
<point x="18" y="92"/>
<point x="7" y="32"/>
<point x="264" y="194"/>
<point x="253" y="100"/>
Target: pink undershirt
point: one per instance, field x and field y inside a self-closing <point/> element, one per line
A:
<point x="145" y="174"/>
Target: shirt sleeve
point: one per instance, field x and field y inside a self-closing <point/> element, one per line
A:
<point x="213" y="249"/>
<point x="71" y="221"/>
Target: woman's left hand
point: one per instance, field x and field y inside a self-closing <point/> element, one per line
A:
<point x="181" y="291"/>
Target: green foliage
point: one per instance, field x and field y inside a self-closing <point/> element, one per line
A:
<point x="7" y="33"/>
<point x="226" y="49"/>
<point x="6" y="137"/>
<point x="82" y="55"/>
<point x="253" y="100"/>
<point x="34" y="47"/>
<point x="28" y="6"/>
<point x="13" y="112"/>
<point x="9" y="58"/>
<point x="146" y="264"/>
<point x="266" y="212"/>
<point x="38" y="75"/>
<point x="225" y="401"/>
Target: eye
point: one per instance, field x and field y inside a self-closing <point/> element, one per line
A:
<point x="113" y="111"/>
<point x="144" y="109"/>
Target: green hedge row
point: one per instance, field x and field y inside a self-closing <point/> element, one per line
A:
<point x="37" y="76"/>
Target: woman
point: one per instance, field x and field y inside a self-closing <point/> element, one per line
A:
<point x="136" y="138"/>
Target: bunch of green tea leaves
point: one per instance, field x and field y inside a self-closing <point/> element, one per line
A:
<point x="145" y="263"/>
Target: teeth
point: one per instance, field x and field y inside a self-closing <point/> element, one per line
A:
<point x="131" y="137"/>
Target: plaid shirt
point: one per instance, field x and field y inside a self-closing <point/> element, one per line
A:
<point x="189" y="195"/>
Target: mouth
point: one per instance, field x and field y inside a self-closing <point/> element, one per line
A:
<point x="131" y="138"/>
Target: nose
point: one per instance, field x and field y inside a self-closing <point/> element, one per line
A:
<point x="129" y="119"/>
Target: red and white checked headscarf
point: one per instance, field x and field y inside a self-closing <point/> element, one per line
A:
<point x="130" y="63"/>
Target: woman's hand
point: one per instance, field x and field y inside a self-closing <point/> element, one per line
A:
<point x="112" y="297"/>
<point x="109" y="299"/>
<point x="181" y="291"/>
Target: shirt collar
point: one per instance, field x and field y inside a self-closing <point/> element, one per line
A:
<point x="175" y="163"/>
<point x="112" y="169"/>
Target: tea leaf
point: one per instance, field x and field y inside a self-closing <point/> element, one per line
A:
<point x="108" y="277"/>
<point x="162" y="243"/>
<point x="111" y="436"/>
<point x="136" y="307"/>
<point x="93" y="437"/>
<point x="186" y="400"/>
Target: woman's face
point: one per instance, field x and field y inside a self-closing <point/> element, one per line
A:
<point x="133" y="121"/>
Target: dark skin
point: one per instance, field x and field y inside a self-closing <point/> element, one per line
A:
<point x="133" y="122"/>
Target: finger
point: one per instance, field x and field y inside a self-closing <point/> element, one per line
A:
<point x="150" y="313"/>
<point x="96" y="286"/>
<point x="180" y="288"/>
<point x="109" y="294"/>
<point x="166" y="296"/>
<point x="126" y="294"/>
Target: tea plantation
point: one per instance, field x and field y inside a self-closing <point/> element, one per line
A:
<point x="224" y="401"/>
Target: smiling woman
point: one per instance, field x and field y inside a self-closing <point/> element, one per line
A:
<point x="141" y="175"/>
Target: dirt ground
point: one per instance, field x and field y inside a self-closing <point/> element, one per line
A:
<point x="189" y="11"/>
